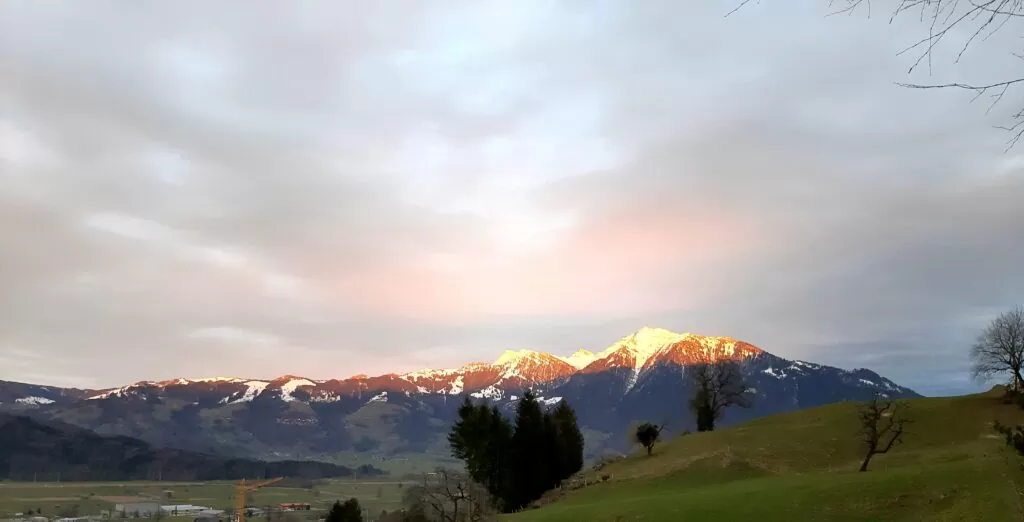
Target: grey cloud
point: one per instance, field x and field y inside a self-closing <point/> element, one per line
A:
<point x="331" y="182"/>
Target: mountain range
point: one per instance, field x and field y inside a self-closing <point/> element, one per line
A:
<point x="639" y="378"/>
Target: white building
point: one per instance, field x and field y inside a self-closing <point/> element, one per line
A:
<point x="183" y="510"/>
<point x="137" y="509"/>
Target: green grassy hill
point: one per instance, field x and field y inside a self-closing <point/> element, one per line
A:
<point x="803" y="466"/>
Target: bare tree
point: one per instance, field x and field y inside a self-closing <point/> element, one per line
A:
<point x="717" y="385"/>
<point x="448" y="496"/>
<point x="882" y="422"/>
<point x="947" y="19"/>
<point x="999" y="349"/>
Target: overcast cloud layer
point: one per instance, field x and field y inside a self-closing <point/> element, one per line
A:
<point x="332" y="188"/>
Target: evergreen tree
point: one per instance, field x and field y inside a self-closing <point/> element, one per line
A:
<point x="481" y="439"/>
<point x="352" y="511"/>
<point x="529" y="469"/>
<point x="467" y="437"/>
<point x="570" y="441"/>
<point x="553" y="454"/>
<point x="349" y="511"/>
<point x="499" y="443"/>
<point x="517" y="464"/>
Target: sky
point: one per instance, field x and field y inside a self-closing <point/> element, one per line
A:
<point x="332" y="188"/>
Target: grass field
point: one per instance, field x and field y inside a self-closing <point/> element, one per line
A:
<point x="90" y="498"/>
<point x="803" y="466"/>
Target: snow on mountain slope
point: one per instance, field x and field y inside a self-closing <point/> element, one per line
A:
<point x="512" y="371"/>
<point x="253" y="389"/>
<point x="524" y="367"/>
<point x="290" y="384"/>
<point x="34" y="400"/>
<point x="634" y="351"/>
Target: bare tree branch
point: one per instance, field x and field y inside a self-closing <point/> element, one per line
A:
<point x="945" y="19"/>
<point x="999" y="349"/>
<point x="447" y="496"/>
<point x="882" y="423"/>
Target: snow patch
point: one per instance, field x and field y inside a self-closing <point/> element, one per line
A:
<point x="867" y="382"/>
<point x="324" y="396"/>
<point x="427" y="374"/>
<point x="253" y="389"/>
<point x="289" y="387"/>
<point x="551" y="402"/>
<point x="806" y="364"/>
<point x="781" y="374"/>
<point x="457" y="386"/>
<point x="490" y="392"/>
<point x="116" y="392"/>
<point x="380" y="397"/>
<point x="35" y="401"/>
<point x="216" y="379"/>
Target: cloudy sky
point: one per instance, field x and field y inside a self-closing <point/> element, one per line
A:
<point x="332" y="188"/>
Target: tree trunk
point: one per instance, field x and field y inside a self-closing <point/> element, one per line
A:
<point x="867" y="458"/>
<point x="650" y="449"/>
<point x="1017" y="380"/>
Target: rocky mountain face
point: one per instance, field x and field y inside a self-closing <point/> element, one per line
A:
<point x="640" y="378"/>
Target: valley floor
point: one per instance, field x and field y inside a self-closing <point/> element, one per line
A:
<point x="802" y="466"/>
<point x="81" y="499"/>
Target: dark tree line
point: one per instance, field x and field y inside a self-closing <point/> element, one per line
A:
<point x="517" y="462"/>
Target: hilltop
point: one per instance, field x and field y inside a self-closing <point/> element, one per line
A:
<point x="802" y="466"/>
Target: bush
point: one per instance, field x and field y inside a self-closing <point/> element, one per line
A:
<point x="1014" y="436"/>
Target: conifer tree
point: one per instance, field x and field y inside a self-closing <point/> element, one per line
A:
<point x="528" y="471"/>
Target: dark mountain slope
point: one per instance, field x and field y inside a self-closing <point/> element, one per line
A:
<point x="29" y="447"/>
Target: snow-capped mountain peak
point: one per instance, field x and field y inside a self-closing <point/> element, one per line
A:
<point x="580" y="358"/>
<point x="513" y="357"/>
<point x="532" y="366"/>
<point x="644" y="343"/>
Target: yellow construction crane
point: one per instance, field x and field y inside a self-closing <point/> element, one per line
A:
<point x="244" y="488"/>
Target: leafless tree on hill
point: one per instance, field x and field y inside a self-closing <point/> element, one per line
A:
<point x="999" y="349"/>
<point x="448" y="496"/>
<point x="717" y="385"/>
<point x="945" y="19"/>
<point x="882" y="423"/>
